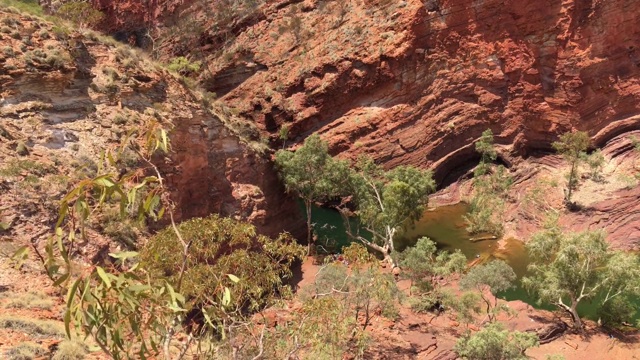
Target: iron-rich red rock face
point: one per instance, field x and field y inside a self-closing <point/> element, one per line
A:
<point x="416" y="82"/>
<point x="211" y="171"/>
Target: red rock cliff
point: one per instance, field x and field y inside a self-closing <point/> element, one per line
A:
<point x="416" y="82"/>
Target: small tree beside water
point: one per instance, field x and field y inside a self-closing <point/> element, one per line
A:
<point x="312" y="174"/>
<point x="385" y="201"/>
<point x="569" y="268"/>
<point x="494" y="277"/>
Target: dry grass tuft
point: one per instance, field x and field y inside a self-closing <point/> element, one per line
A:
<point x="31" y="326"/>
<point x="30" y="300"/>
<point x="25" y="351"/>
<point x="70" y="350"/>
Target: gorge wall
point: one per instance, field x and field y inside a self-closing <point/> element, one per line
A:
<point x="412" y="82"/>
<point x="417" y="81"/>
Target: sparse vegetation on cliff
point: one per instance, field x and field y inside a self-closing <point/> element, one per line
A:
<point x="572" y="146"/>
<point x="490" y="190"/>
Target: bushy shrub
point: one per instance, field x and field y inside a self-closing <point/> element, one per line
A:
<point x="217" y="247"/>
<point x="8" y="51"/>
<point x="494" y="342"/>
<point x="31" y="326"/>
<point x="30" y="300"/>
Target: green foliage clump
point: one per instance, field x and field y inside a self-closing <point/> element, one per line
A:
<point x="70" y="350"/>
<point x="386" y="201"/>
<point x="357" y="254"/>
<point x="31" y="326"/>
<point x="30" y="300"/>
<point x="340" y="304"/>
<point x="17" y="167"/>
<point x="494" y="342"/>
<point x="28" y="6"/>
<point x="595" y="161"/>
<point x="425" y="266"/>
<point x="80" y="13"/>
<point x="312" y="174"/>
<point x="8" y="51"/>
<point x="488" y="154"/>
<point x="52" y="58"/>
<point x="220" y="246"/>
<point x="183" y="66"/>
<point x="22" y="149"/>
<point x="123" y="229"/>
<point x="618" y="311"/>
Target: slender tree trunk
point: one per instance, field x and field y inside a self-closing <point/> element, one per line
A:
<point x="388" y="258"/>
<point x="383" y="250"/>
<point x="572" y="175"/>
<point x="577" y="323"/>
<point x="307" y="204"/>
<point x="573" y="312"/>
<point x="488" y="302"/>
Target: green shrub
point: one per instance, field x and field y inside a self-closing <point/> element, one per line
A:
<point x="8" y="51"/>
<point x="60" y="32"/>
<point x="18" y="6"/>
<point x="122" y="229"/>
<point x="56" y="59"/>
<point x="183" y="66"/>
<point x="44" y="34"/>
<point x="16" y="167"/>
<point x="617" y="311"/>
<point x="9" y="21"/>
<point x="220" y="246"/>
<point x="85" y="167"/>
<point x="22" y="149"/>
<point x="111" y="73"/>
<point x="127" y="57"/>
<point x="494" y="342"/>
<point x="120" y="119"/>
<point x="53" y="58"/>
<point x="81" y="13"/>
